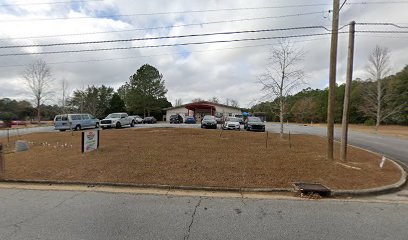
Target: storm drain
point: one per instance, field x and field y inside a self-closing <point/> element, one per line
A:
<point x="312" y="188"/>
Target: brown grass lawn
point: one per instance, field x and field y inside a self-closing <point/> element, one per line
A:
<point x="194" y="157"/>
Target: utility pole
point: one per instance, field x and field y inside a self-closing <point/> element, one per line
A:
<point x="332" y="79"/>
<point x="349" y="77"/>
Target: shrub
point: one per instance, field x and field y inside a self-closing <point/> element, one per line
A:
<point x="369" y="122"/>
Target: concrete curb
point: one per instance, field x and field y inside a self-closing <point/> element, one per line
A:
<point x="154" y="186"/>
<point x="376" y="191"/>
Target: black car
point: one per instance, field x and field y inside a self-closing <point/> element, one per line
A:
<point x="254" y="124"/>
<point x="149" y="120"/>
<point x="209" y="122"/>
<point x="176" y="119"/>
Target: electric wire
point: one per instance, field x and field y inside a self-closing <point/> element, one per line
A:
<point x="164" y="54"/>
<point x="165" y="37"/>
<point x="49" y="3"/>
<point x="166" y="45"/>
<point x="170" y="26"/>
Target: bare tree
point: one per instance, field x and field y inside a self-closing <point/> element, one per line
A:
<point x="178" y="102"/>
<point x="214" y="100"/>
<point x="65" y="93"/>
<point x="227" y="101"/>
<point x="376" y="98"/>
<point x="197" y="100"/>
<point x="283" y="75"/>
<point x="38" y="78"/>
<point x="234" y="103"/>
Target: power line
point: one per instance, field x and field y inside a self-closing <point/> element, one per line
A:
<point x="376" y="31"/>
<point x="170" y="26"/>
<point x="163" y="54"/>
<point x="376" y="2"/>
<point x="48" y="3"/>
<point x="382" y="24"/>
<point x="166" y="45"/>
<point x="167" y="13"/>
<point x="205" y="11"/>
<point x="164" y="37"/>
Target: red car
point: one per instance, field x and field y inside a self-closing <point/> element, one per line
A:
<point x="18" y="122"/>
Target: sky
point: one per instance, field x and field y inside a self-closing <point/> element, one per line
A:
<point x="227" y="70"/>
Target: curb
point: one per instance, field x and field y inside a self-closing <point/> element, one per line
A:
<point x="376" y="191"/>
<point x="154" y="186"/>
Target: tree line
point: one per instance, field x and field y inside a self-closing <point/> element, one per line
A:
<point x="143" y="94"/>
<point x="310" y="105"/>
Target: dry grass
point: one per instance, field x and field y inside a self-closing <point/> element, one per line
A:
<point x="194" y="157"/>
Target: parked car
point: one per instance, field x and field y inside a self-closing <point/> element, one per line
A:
<point x="254" y="124"/>
<point x="117" y="120"/>
<point x="18" y="122"/>
<point x="2" y="124"/>
<point x="231" y="123"/>
<point x="209" y="122"/>
<point x="149" y="120"/>
<point x="76" y="121"/>
<point x="176" y="118"/>
<point x="138" y="119"/>
<point x="190" y="119"/>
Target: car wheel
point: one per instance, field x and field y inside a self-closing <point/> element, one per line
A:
<point x="77" y="127"/>
<point x="118" y="125"/>
<point x="97" y="125"/>
<point x="132" y="124"/>
<point x="62" y="130"/>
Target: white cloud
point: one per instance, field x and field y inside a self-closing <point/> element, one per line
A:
<point x="190" y="71"/>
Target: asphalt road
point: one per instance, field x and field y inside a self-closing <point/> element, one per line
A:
<point x="30" y="214"/>
<point x="389" y="146"/>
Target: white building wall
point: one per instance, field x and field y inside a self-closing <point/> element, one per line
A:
<point x="225" y="110"/>
<point x="181" y="110"/>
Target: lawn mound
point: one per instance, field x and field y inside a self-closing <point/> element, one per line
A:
<point x="195" y="157"/>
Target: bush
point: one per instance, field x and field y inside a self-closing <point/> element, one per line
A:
<point x="369" y="122"/>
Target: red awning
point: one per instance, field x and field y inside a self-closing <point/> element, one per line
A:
<point x="198" y="105"/>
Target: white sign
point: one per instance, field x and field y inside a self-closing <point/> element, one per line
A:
<point x="382" y="162"/>
<point x="90" y="140"/>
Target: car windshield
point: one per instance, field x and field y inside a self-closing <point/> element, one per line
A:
<point x="113" y="115"/>
<point x="254" y="119"/>
<point x="209" y="117"/>
<point x="232" y="119"/>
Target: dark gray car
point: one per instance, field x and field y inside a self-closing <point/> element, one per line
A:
<point x="209" y="122"/>
<point x="254" y="124"/>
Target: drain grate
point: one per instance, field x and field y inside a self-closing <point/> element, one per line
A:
<point x="308" y="188"/>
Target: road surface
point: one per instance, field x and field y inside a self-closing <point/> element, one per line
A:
<point x="393" y="147"/>
<point x="34" y="214"/>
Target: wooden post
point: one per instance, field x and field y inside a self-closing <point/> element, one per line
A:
<point x="349" y="77"/>
<point x="290" y="143"/>
<point x="2" y="164"/>
<point x="266" y="140"/>
<point x="332" y="80"/>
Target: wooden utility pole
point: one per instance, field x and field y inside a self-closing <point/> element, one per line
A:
<point x="349" y="77"/>
<point x="332" y="80"/>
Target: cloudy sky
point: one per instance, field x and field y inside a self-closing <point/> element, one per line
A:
<point x="224" y="70"/>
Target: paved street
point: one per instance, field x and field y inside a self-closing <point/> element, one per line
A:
<point x="393" y="147"/>
<point x="33" y="214"/>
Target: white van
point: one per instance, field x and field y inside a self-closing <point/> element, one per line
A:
<point x="75" y="121"/>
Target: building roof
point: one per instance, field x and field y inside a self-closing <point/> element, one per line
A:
<point x="205" y="104"/>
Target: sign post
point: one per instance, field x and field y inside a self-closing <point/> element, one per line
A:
<point x="90" y="140"/>
<point x="2" y="164"/>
